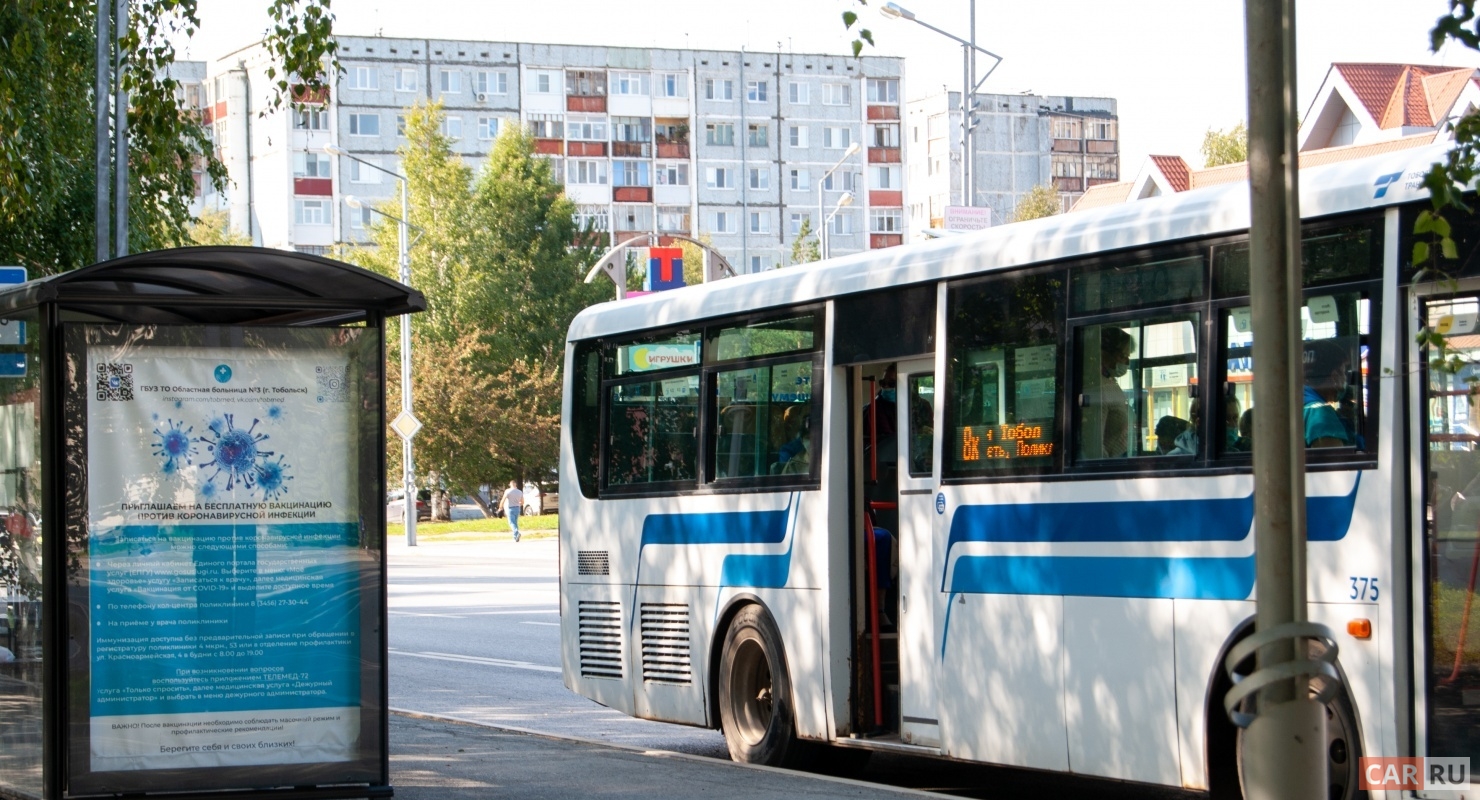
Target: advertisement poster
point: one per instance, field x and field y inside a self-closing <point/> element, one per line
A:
<point x="222" y="557"/>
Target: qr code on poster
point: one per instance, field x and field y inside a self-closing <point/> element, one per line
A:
<point x="115" y="381"/>
<point x="332" y="386"/>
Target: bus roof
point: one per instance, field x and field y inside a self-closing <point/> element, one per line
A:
<point x="1383" y="180"/>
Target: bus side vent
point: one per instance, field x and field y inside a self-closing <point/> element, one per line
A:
<point x="601" y="638"/>
<point x="593" y="562"/>
<point x="665" y="643"/>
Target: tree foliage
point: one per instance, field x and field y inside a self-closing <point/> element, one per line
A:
<point x="1040" y="201"/>
<point x="805" y="248"/>
<point x="47" y="101"/>
<point x="213" y="228"/>
<point x="1225" y="147"/>
<point x="502" y="263"/>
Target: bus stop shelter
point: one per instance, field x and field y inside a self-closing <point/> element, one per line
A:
<point x="192" y="527"/>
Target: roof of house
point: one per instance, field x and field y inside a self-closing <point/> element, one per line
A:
<point x="1175" y="170"/>
<point x="1405" y="95"/>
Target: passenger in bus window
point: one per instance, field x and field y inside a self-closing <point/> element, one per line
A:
<point x="1230" y="424"/>
<point x="1189" y="441"/>
<point x="1326" y="363"/>
<point x="885" y="405"/>
<point x="1104" y="432"/>
<point x="1245" y="441"/>
<point x="1169" y="431"/>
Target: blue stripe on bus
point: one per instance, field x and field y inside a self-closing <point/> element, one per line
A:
<point x="1200" y="520"/>
<point x="1106" y="576"/>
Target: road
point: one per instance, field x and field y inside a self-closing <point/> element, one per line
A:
<point x="474" y="634"/>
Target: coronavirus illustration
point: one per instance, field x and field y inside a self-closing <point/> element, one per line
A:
<point x="174" y="445"/>
<point x="237" y="455"/>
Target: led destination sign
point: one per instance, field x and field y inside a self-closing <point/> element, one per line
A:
<point x="1003" y="441"/>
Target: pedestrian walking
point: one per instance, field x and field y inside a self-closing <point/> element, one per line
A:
<point x="512" y="503"/>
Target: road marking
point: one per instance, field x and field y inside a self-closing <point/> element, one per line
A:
<point x="551" y="624"/>
<point x="490" y="662"/>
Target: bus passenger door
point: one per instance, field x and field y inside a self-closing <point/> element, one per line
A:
<point x="918" y="484"/>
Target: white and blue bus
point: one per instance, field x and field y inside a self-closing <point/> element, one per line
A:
<point x="990" y="497"/>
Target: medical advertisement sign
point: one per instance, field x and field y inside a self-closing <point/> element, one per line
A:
<point x="223" y="559"/>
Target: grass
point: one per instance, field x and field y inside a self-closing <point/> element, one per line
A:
<point x="479" y="530"/>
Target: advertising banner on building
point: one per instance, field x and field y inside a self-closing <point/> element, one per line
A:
<point x="223" y="557"/>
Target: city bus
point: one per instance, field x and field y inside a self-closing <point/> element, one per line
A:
<point x="990" y="497"/>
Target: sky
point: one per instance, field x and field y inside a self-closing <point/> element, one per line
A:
<point x="1176" y="67"/>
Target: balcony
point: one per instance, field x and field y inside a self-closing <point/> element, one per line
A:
<point x="632" y="150"/>
<point x="881" y="113"/>
<point x="879" y="241"/>
<point x="597" y="149"/>
<point x="1103" y="146"/>
<point x="313" y="187"/>
<point x="1068" y="184"/>
<point x="1066" y="146"/>
<point x="883" y="155"/>
<point x="549" y="147"/>
<point x="885" y="198"/>
<point x="592" y="104"/>
<point x="673" y="149"/>
<point x="632" y="194"/>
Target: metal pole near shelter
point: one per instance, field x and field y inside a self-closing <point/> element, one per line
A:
<point x="1284" y="744"/>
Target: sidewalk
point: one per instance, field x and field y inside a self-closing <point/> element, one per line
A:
<point x="437" y="758"/>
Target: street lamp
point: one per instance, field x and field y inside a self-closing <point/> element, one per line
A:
<point x="970" y="85"/>
<point x="845" y="200"/>
<point x="822" y="232"/>
<point x="405" y="424"/>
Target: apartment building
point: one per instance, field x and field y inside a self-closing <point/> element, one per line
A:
<point x="1019" y="141"/>
<point x="728" y="145"/>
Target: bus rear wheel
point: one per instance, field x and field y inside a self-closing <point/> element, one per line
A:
<point x="755" y="700"/>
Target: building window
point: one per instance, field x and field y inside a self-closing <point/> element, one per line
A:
<point x="1101" y="167"/>
<point x="311" y="165"/>
<point x="406" y="80"/>
<point x="719" y="177"/>
<point x="581" y="127"/>
<point x="400" y="124"/>
<point x="582" y="171"/>
<point x="1066" y="167"/>
<point x="760" y="222"/>
<point x="488" y="127"/>
<point x="359" y="218"/>
<point x="885" y="135"/>
<point x="836" y="94"/>
<point x="1100" y="129"/>
<point x="585" y="83"/>
<point x="673" y="219"/>
<point x="673" y="84"/>
<point x="755" y="91"/>
<point x="760" y="177"/>
<point x="362" y="173"/>
<point x="842" y="224"/>
<point x="723" y="222"/>
<point x="838" y="182"/>
<point x="797" y="135"/>
<point x="1065" y="127"/>
<point x="884" y="177"/>
<point x="631" y="173"/>
<point x="673" y="174"/>
<point x="488" y="82"/>
<point x="595" y="216"/>
<point x="543" y="82"/>
<point x="451" y="81"/>
<point x="836" y="138"/>
<point x="759" y="135"/>
<point x="633" y="83"/>
<point x="883" y="90"/>
<point x="364" y="124"/>
<point x="633" y="218"/>
<point x="885" y="220"/>
<point x="761" y="263"/>
<point x="632" y="129"/>
<point x="719" y="89"/>
<point x="801" y="180"/>
<point x="796" y="223"/>
<point x="719" y="133"/>
<point x="796" y="92"/>
<point x="547" y="126"/>
<point x="310" y="118"/>
<point x="452" y="128"/>
<point x="364" y="78"/>
<point x="311" y="212"/>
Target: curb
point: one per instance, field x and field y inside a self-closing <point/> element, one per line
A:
<point x="643" y="751"/>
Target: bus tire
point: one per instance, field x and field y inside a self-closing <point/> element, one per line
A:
<point x="1343" y="745"/>
<point x="755" y="701"/>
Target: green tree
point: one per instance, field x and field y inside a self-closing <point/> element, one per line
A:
<point x="805" y="247"/>
<point x="1040" y="201"/>
<point x="46" y="121"/>
<point x="214" y="228"/>
<point x="1225" y="147"/>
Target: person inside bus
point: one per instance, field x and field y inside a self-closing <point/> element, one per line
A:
<point x="797" y="444"/>
<point x="885" y="406"/>
<point x="1106" y="417"/>
<point x="1245" y="441"/>
<point x="1171" y="436"/>
<point x="1326" y="363"/>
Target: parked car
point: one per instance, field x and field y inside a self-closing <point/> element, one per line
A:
<point x="395" y="506"/>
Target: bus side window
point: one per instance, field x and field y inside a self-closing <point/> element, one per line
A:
<point x="763" y="421"/>
<point x="653" y="437"/>
<point x="1138" y="389"/>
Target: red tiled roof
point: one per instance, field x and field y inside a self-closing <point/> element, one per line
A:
<point x="1403" y="95"/>
<point x="1175" y="170"/>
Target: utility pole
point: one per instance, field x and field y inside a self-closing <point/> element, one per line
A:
<point x="1284" y="744"/>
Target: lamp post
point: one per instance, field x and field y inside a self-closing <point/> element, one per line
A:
<point x="405" y="424"/>
<point x="822" y="229"/>
<point x="969" y="49"/>
<point x="845" y="200"/>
